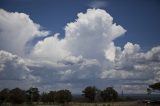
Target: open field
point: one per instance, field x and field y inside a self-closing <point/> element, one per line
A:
<point x="132" y="103"/>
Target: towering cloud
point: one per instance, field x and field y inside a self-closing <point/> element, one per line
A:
<point x="89" y="36"/>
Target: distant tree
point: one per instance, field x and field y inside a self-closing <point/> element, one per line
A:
<point x="44" y="97"/>
<point x="109" y="94"/>
<point x="51" y="96"/>
<point x="63" y="96"/>
<point x="4" y="95"/>
<point x="90" y="93"/>
<point x="32" y="95"/>
<point x="17" y="96"/>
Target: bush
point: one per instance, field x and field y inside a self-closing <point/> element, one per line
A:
<point x="109" y="94"/>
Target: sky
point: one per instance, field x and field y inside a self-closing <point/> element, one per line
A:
<point x="71" y="44"/>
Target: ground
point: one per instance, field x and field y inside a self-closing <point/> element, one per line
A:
<point x="132" y="103"/>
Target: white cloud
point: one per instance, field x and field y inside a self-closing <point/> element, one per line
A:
<point x="114" y="74"/>
<point x="132" y="65"/>
<point x="110" y="52"/>
<point x="129" y="48"/>
<point x="153" y="54"/>
<point x="88" y="37"/>
<point x="16" y="29"/>
<point x="90" y="34"/>
<point x="51" y="48"/>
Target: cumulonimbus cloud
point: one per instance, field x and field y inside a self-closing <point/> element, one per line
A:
<point x="86" y="55"/>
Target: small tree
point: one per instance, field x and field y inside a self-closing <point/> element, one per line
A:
<point x="90" y="93"/>
<point x="51" y="96"/>
<point x="109" y="94"/>
<point x="17" y="96"/>
<point x="63" y="96"/>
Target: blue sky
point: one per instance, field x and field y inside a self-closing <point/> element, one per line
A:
<point x="71" y="44"/>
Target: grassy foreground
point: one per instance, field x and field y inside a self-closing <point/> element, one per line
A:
<point x="106" y="104"/>
<point x="132" y="103"/>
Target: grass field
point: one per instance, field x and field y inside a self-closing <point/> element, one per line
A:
<point x="132" y="103"/>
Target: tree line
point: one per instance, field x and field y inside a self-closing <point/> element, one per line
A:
<point x="32" y="95"/>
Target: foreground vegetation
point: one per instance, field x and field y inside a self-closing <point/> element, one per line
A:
<point x="90" y="93"/>
<point x="91" y="97"/>
<point x="129" y="103"/>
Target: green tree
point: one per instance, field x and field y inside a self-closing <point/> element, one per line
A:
<point x="63" y="96"/>
<point x="90" y="93"/>
<point x="109" y="94"/>
<point x="17" y="96"/>
<point x="4" y="95"/>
